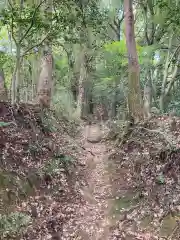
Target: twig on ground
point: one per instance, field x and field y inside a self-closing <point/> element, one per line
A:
<point x="87" y="150"/>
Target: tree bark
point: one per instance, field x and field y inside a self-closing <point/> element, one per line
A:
<point x="134" y="91"/>
<point x="45" y="83"/>
<point x="3" y="90"/>
<point x="170" y="72"/>
<point x="15" y="85"/>
<point x="74" y="70"/>
<point x="86" y="69"/>
<point x="82" y="101"/>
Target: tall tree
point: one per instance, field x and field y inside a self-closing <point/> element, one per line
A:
<point x="44" y="89"/>
<point x="25" y="37"/>
<point x="88" y="25"/>
<point x="134" y="91"/>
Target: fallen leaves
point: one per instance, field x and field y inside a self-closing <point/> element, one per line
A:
<point x="73" y="199"/>
<point x="33" y="185"/>
<point x="152" y="169"/>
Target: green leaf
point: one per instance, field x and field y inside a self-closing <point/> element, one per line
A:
<point x="160" y="179"/>
<point x="5" y="124"/>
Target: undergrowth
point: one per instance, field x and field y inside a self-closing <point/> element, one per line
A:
<point x="13" y="224"/>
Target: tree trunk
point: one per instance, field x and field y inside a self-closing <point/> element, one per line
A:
<point x="86" y="69"/>
<point x="45" y="83"/>
<point x="165" y="76"/>
<point x="3" y="90"/>
<point x="147" y="99"/>
<point x="134" y="91"/>
<point x="35" y="73"/>
<point x="44" y="88"/>
<point x="73" y="60"/>
<point x="170" y="72"/>
<point x="15" y="85"/>
<point x="85" y="101"/>
<point x="82" y="85"/>
<point x="114" y="100"/>
<point x="18" y="73"/>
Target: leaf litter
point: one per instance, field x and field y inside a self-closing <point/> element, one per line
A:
<point x="74" y="189"/>
<point x="39" y="175"/>
<point x="145" y="174"/>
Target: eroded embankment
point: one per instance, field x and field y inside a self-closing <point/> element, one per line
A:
<point x="40" y="173"/>
<point x="145" y="172"/>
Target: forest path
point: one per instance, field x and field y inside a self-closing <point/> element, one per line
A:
<point x="94" y="219"/>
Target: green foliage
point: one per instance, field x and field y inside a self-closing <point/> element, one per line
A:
<point x="57" y="163"/>
<point x="62" y="68"/>
<point x="34" y="148"/>
<point x="169" y="14"/>
<point x="160" y="179"/>
<point x="6" y="60"/>
<point x="119" y="47"/>
<point x="53" y="167"/>
<point x="175" y="105"/>
<point x="65" y="28"/>
<point x="63" y="102"/>
<point x="5" y="124"/>
<point x="3" y="59"/>
<point x="13" y="224"/>
<point x="48" y="122"/>
<point x="65" y="160"/>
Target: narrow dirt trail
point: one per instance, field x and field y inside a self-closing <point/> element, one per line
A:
<point x="94" y="217"/>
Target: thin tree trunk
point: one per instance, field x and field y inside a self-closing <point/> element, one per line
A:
<point x="167" y="85"/>
<point x="3" y="89"/>
<point x="15" y="85"/>
<point x="35" y="73"/>
<point x="73" y="60"/>
<point x="165" y="76"/>
<point x="18" y="73"/>
<point x="115" y="102"/>
<point x="82" y="101"/>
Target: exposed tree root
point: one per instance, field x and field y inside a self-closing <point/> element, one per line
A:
<point x="126" y="133"/>
<point x="158" y="132"/>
